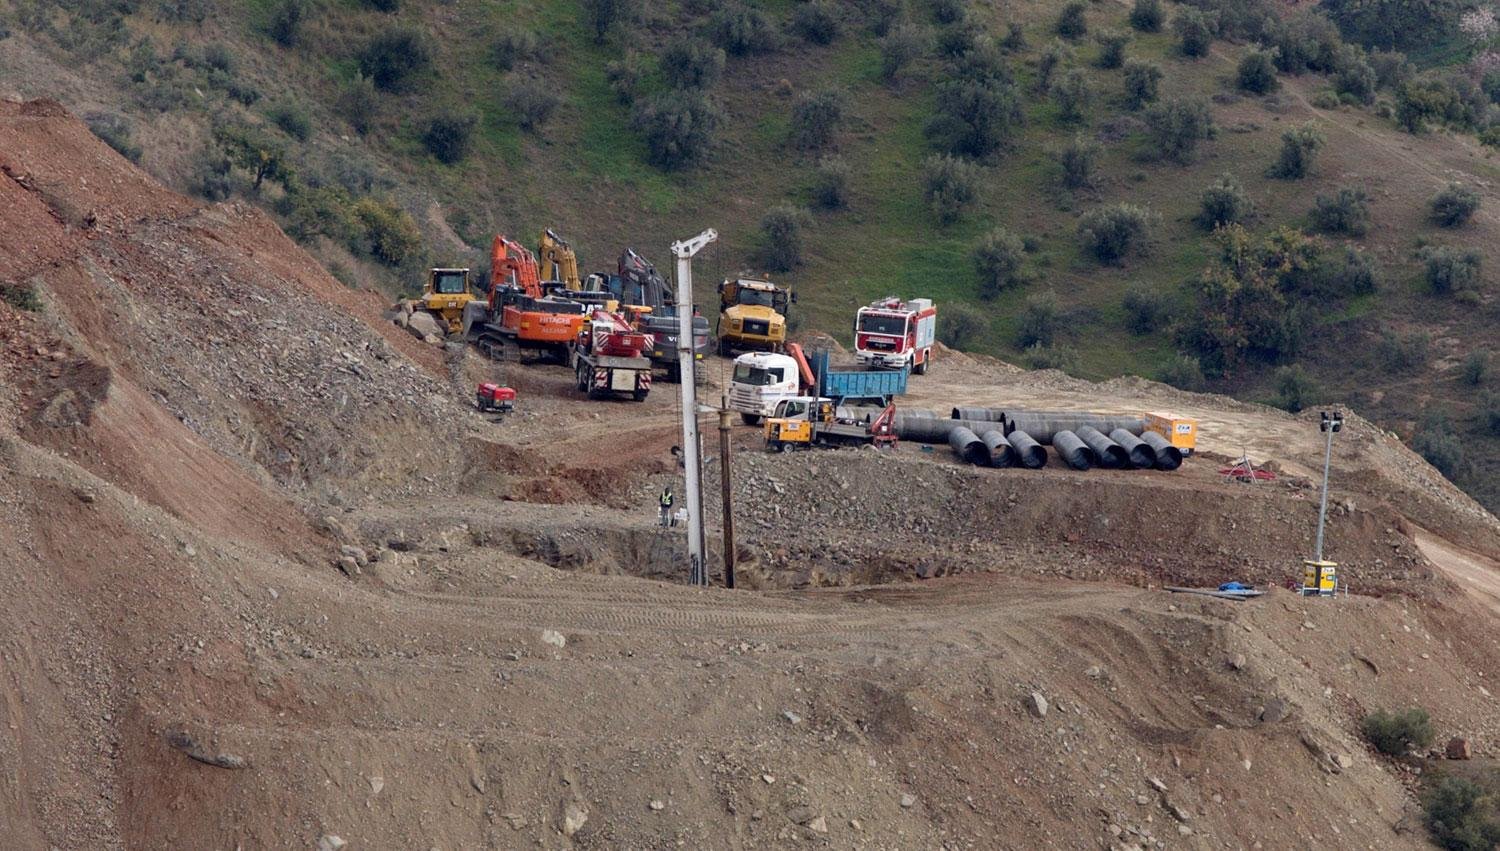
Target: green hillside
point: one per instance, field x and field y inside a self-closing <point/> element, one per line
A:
<point x="283" y="83"/>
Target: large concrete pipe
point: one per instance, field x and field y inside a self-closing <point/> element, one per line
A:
<point x="933" y="430"/>
<point x="994" y="415"/>
<point x="1142" y="456"/>
<point x="1168" y="457"/>
<point x="1074" y="452"/>
<point x="1029" y="453"/>
<point x="1112" y="456"/>
<point x="1042" y="427"/>
<point x="918" y="413"/>
<point x="968" y="447"/>
<point x="1001" y="452"/>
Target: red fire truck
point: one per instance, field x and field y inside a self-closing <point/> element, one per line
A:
<point x="895" y="334"/>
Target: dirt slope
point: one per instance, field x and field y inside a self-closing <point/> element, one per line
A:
<point x="199" y="419"/>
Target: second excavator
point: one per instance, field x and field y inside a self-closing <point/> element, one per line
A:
<point x="518" y="314"/>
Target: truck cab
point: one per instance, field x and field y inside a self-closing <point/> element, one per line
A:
<point x="760" y="381"/>
<point x="752" y="315"/>
<point x="896" y="334"/>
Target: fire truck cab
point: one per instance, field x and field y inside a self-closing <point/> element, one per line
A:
<point x="895" y="334"/>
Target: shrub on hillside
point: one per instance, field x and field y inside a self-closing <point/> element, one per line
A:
<point x="1145" y="310"/>
<point x="1038" y="356"/>
<point x="448" y="136"/>
<point x="285" y="26"/>
<point x="1355" y="78"/>
<point x="959" y="38"/>
<point x="511" y="47"/>
<point x="1194" y="31"/>
<point x="960" y="327"/>
<point x="950" y="185"/>
<point x="742" y="30"/>
<point x="1489" y="414"/>
<point x="781" y="232"/>
<point x="949" y="11"/>
<point x="691" y="64"/>
<point x="1476" y="367"/>
<point x="390" y="232"/>
<point x="816" y="116"/>
<point x="1224" y="202"/>
<point x="1461" y="815"/>
<point x="1455" y="205"/>
<point x="1015" y="37"/>
<point x="114" y="131"/>
<point x="1391" y="68"/>
<point x="1056" y="56"/>
<point x="324" y="211"/>
<point x="1079" y="160"/>
<point x="902" y="45"/>
<point x="358" y="103"/>
<point x="1299" y="150"/>
<point x="816" y="22"/>
<point x="624" y="77"/>
<point x="292" y="118"/>
<point x="1142" y="84"/>
<point x="830" y="189"/>
<point x="21" y="297"/>
<point x="1175" y="127"/>
<point x="1111" y="49"/>
<point x="256" y="152"/>
<point x="1346" y="212"/>
<point x="601" y="16"/>
<point x="1357" y="275"/>
<point x="1257" y="73"/>
<point x="1073" y="95"/>
<point x="209" y="174"/>
<point x="999" y="259"/>
<point x="881" y="15"/>
<point x="1395" y="733"/>
<point x="1423" y="100"/>
<point x="383" y="5"/>
<point x="1450" y="270"/>
<point x="974" y="118"/>
<point x="1040" y="321"/>
<point x="1440" y="447"/>
<point x="1072" y="21"/>
<point x="1113" y="233"/>
<point x="1147" y="16"/>
<point x="1183" y="372"/>
<point x="1294" y="388"/>
<point x="1398" y="354"/>
<point x="679" y="128"/>
<point x="531" y="102"/>
<point x="394" y="56"/>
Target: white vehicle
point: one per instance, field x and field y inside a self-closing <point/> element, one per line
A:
<point x="895" y="334"/>
<point x="760" y="381"/>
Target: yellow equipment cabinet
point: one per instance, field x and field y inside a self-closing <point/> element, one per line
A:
<point x="1181" y="432"/>
<point x="1319" y="578"/>
<point x="445" y="296"/>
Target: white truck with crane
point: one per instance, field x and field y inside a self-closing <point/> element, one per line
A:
<point x="895" y="334"/>
<point x="763" y="379"/>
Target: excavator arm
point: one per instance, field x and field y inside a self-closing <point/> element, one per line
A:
<point x="643" y="285"/>
<point x="559" y="261"/>
<point x="512" y="266"/>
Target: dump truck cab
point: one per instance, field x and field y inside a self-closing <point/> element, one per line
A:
<point x="752" y="315"/>
<point x="760" y="381"/>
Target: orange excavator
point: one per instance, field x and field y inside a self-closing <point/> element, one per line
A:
<point x="517" y="314"/>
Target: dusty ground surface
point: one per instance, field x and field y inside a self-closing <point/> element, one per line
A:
<point x="199" y="425"/>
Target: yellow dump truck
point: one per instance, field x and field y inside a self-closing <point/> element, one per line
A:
<point x="752" y="316"/>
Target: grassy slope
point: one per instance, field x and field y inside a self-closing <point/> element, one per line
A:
<point x="586" y="175"/>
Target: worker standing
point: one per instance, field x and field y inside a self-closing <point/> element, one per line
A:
<point x="666" y="505"/>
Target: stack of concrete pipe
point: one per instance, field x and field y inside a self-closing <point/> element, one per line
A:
<point x="995" y="437"/>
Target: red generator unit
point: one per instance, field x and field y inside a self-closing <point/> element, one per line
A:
<point x="493" y="397"/>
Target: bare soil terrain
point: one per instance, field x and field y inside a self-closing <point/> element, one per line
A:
<point x="269" y="581"/>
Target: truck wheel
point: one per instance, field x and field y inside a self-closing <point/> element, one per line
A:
<point x="723" y="348"/>
<point x="750" y="419"/>
<point x="583" y="382"/>
<point x="921" y="368"/>
<point x="785" y="447"/>
<point x="639" y="395"/>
